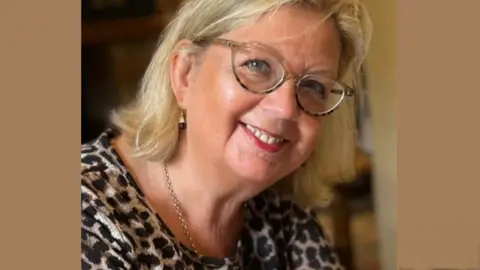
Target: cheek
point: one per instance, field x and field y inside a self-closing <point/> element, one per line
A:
<point x="310" y="130"/>
<point x="216" y="86"/>
<point x="228" y="92"/>
<point x="231" y="100"/>
<point x="216" y="96"/>
<point x="211" y="94"/>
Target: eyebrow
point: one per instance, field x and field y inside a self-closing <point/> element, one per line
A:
<point x="315" y="71"/>
<point x="322" y="71"/>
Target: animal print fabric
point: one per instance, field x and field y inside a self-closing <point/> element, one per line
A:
<point x="120" y="231"/>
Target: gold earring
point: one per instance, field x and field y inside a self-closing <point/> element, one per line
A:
<point x="182" y="123"/>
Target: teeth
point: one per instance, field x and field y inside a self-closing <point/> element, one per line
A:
<point x="263" y="136"/>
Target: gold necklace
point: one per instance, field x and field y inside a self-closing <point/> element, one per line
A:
<point x="181" y="217"/>
<point x="179" y="210"/>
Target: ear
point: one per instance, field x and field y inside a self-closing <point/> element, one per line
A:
<point x="181" y="66"/>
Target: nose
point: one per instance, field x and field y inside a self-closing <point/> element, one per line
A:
<point x="282" y="102"/>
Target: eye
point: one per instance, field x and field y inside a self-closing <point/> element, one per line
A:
<point x="256" y="65"/>
<point x="315" y="86"/>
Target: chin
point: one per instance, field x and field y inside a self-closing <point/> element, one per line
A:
<point x="251" y="163"/>
<point x="258" y="174"/>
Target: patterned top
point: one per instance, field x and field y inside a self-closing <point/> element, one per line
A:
<point x="121" y="231"/>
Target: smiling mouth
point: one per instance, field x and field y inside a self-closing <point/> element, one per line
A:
<point x="264" y="140"/>
<point x="264" y="136"/>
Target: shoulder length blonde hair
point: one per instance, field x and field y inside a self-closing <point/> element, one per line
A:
<point x="151" y="121"/>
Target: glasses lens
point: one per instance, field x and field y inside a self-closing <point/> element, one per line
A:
<point x="257" y="69"/>
<point x="318" y="94"/>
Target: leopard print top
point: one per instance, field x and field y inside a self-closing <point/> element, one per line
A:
<point x="120" y="230"/>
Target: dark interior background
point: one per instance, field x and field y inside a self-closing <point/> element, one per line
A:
<point x="118" y="37"/>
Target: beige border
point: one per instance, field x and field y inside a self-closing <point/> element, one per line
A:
<point x="438" y="124"/>
<point x="437" y="84"/>
<point x="40" y="113"/>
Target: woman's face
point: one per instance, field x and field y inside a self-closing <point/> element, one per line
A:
<point x="223" y="118"/>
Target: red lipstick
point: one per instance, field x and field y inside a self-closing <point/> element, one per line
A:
<point x="270" y="148"/>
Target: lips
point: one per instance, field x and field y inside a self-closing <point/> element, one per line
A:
<point x="263" y="139"/>
<point x="264" y="136"/>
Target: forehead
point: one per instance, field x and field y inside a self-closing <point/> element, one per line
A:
<point x="299" y="36"/>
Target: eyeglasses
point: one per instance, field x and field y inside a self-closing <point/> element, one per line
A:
<point x="258" y="69"/>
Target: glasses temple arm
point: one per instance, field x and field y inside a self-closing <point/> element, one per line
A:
<point x="348" y="91"/>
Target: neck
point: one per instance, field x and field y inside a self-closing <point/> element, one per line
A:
<point x="209" y="199"/>
<point x="197" y="183"/>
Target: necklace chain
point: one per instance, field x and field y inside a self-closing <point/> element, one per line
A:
<point x="181" y="215"/>
<point x="179" y="210"/>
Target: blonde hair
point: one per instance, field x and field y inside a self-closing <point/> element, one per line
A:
<point x="152" y="120"/>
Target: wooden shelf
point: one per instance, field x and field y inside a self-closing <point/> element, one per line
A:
<point x="123" y="29"/>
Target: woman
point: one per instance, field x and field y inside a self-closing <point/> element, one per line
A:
<point x="237" y="101"/>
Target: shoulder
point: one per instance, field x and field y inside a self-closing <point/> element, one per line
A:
<point x="98" y="155"/>
<point x="300" y="231"/>
<point x="105" y="185"/>
<point x="103" y="196"/>
<point x="102" y="177"/>
<point x="102" y="171"/>
<point x="272" y="205"/>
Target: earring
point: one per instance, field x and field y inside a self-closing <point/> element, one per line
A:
<point x="182" y="123"/>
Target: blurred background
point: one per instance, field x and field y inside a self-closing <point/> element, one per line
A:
<point x="118" y="39"/>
